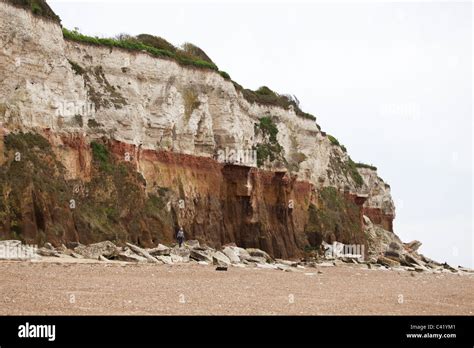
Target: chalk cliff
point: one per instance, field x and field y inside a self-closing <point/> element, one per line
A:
<point x="102" y="142"/>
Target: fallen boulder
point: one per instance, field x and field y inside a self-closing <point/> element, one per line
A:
<point x="287" y="262"/>
<point x="160" y="250"/>
<point x="241" y="253"/>
<point x="181" y="252"/>
<point x="176" y="258"/>
<point x="393" y="254"/>
<point x="47" y="252"/>
<point x="93" y="251"/>
<point x="385" y="261"/>
<point x="199" y="255"/>
<point x="255" y="259"/>
<point x="141" y="252"/>
<point x="419" y="268"/>
<point x="412" y="260"/>
<point x="231" y="254"/>
<point x="130" y="256"/>
<point x="167" y="260"/>
<point x="49" y="246"/>
<point x="219" y="259"/>
<point x="259" y="253"/>
<point x="448" y="267"/>
<point x="101" y="258"/>
<point x="192" y="243"/>
<point x="76" y="255"/>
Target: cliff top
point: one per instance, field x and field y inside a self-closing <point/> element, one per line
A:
<point x="38" y="7"/>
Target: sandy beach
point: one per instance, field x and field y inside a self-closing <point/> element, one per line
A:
<point x="58" y="287"/>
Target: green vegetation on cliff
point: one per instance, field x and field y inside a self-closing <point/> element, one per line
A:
<point x="32" y="182"/>
<point x="365" y="165"/>
<point x="37" y="7"/>
<point x="189" y="55"/>
<point x="269" y="148"/>
<point x="347" y="168"/>
<point x="336" y="218"/>
<point x="38" y="203"/>
<point x="335" y="142"/>
<point x="266" y="96"/>
<point x="181" y="56"/>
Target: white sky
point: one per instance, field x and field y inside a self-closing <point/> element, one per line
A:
<point x="392" y="81"/>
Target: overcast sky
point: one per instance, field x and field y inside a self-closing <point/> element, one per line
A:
<point x="392" y="81"/>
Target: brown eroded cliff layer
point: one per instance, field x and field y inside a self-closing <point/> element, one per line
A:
<point x="125" y="146"/>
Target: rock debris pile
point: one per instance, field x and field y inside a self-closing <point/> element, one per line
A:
<point x="399" y="257"/>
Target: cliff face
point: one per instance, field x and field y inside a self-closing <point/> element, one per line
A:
<point x="137" y="145"/>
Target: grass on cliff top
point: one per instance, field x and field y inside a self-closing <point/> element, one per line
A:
<point x="37" y="7"/>
<point x="266" y="96"/>
<point x="365" y="165"/>
<point x="186" y="56"/>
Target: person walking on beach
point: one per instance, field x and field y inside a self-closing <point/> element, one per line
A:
<point x="180" y="236"/>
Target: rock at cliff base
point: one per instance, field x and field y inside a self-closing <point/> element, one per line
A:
<point x="141" y="252"/>
<point x="167" y="260"/>
<point x="219" y="259"/>
<point x="177" y="258"/>
<point x="47" y="252"/>
<point x="93" y="251"/>
<point x="241" y="253"/>
<point x="184" y="253"/>
<point x="49" y="246"/>
<point x="101" y="258"/>
<point x="419" y="268"/>
<point x="231" y="254"/>
<point x="192" y="243"/>
<point x="76" y="255"/>
<point x="221" y="268"/>
<point x="411" y="260"/>
<point x="259" y="253"/>
<point x="385" y="261"/>
<point x="392" y="254"/>
<point x="255" y="259"/>
<point x="199" y="255"/>
<point x="130" y="256"/>
<point x="160" y="250"/>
